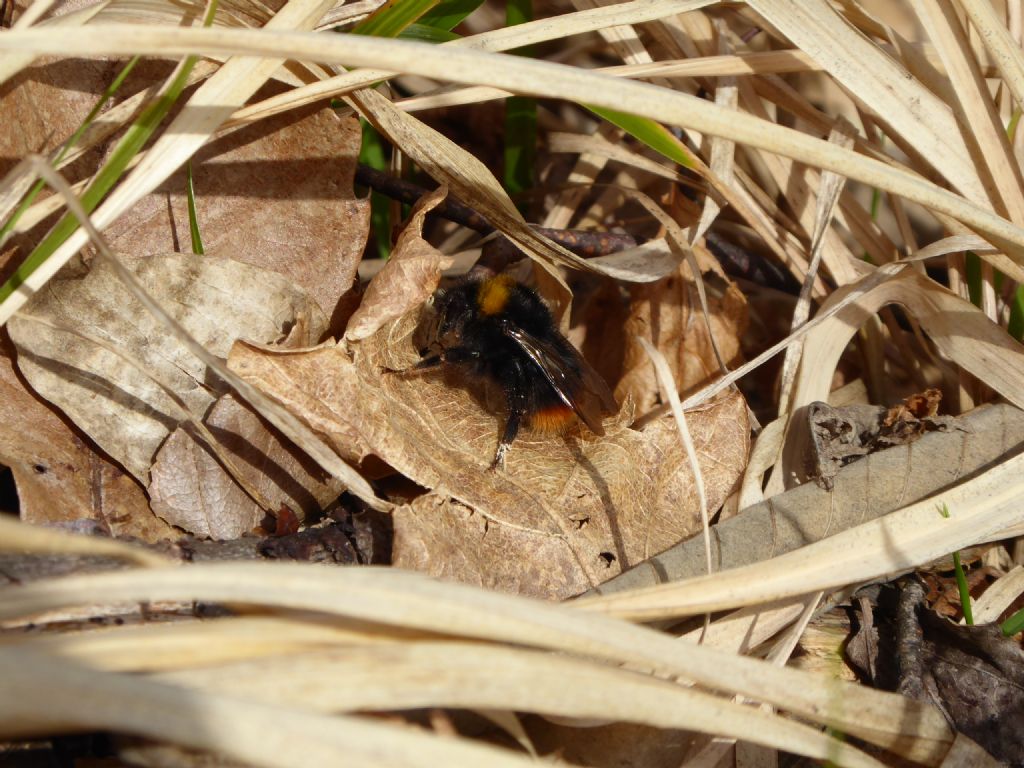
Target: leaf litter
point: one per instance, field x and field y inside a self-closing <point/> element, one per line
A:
<point x="121" y="408"/>
<point x="565" y="513"/>
<point x="552" y="505"/>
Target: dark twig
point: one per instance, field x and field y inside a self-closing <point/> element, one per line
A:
<point x="739" y="262"/>
<point x="581" y="242"/>
<point x="734" y="260"/>
<point x="408" y="193"/>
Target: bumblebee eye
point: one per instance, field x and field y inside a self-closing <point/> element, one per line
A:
<point x="435" y="297"/>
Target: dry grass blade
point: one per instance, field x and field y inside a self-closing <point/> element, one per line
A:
<point x="9" y="65"/>
<point x="539" y="78"/>
<point x="15" y="536"/>
<point x="669" y="391"/>
<point x="476" y="676"/>
<point x="423" y="675"/>
<point x="830" y="188"/>
<point x="918" y="115"/>
<point x="505" y="39"/>
<point x="197" y="644"/>
<point x="975" y="109"/>
<point x="743" y="630"/>
<point x="971" y="340"/>
<point x="389" y="596"/>
<point x="1000" y="44"/>
<point x="46" y="694"/>
<point x="464" y="174"/>
<point x="959" y="329"/>
<point x="999" y="596"/>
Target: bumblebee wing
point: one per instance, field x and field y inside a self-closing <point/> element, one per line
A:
<point x="579" y="386"/>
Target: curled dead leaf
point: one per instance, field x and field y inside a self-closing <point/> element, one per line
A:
<point x="408" y="278"/>
<point x="667" y="313"/>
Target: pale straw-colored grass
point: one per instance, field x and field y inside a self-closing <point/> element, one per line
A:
<point x="283" y="683"/>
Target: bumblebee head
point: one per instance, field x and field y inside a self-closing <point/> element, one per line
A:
<point x="453" y="309"/>
<point x="447" y="312"/>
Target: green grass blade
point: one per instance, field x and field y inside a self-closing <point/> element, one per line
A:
<point x="965" y="591"/>
<point x="518" y="12"/>
<point x="651" y="133"/>
<point x="1013" y="625"/>
<point x="520" y="143"/>
<point x="424" y="20"/>
<point x="973" y="277"/>
<point x="520" y="118"/>
<point x="1011" y="128"/>
<point x="424" y="33"/>
<point x="391" y="19"/>
<point x="961" y="579"/>
<point x="1015" y="327"/>
<point x="374" y="152"/>
<point x="111" y="172"/>
<point x="448" y="14"/>
<point x="193" y="218"/>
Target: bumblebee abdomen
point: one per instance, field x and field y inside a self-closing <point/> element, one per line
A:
<point x="552" y="419"/>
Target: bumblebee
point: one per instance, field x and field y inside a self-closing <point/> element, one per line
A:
<point x="500" y="330"/>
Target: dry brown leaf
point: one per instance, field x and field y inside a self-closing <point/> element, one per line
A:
<point x="117" y="405"/>
<point x="449" y="540"/>
<point x="44" y="105"/>
<point x="277" y="195"/>
<point x="408" y="278"/>
<point x="60" y="478"/>
<point x="566" y="512"/>
<point x="667" y="314"/>
<point x="190" y="489"/>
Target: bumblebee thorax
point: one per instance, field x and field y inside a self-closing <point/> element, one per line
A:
<point x="493" y="294"/>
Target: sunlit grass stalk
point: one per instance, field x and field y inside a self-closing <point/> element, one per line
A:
<point x="650" y="132"/>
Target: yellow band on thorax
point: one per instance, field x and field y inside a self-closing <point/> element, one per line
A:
<point x="494" y="294"/>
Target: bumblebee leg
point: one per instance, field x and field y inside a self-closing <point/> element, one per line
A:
<point x="428" y="362"/>
<point x="451" y="355"/>
<point x="422" y="365"/>
<point x="515" y="396"/>
<point x="458" y="355"/>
